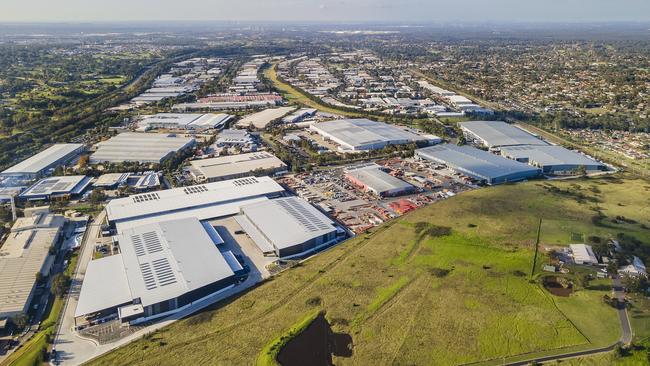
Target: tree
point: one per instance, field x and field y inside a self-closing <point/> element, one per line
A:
<point x="39" y="277"/>
<point x="60" y="284"/>
<point x="20" y="321"/>
<point x="97" y="196"/>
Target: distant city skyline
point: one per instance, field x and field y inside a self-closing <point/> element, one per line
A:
<point x="326" y="10"/>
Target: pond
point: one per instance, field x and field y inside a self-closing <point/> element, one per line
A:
<point x="315" y="346"/>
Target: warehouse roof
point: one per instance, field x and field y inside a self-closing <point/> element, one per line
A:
<point x="69" y="184"/>
<point x="44" y="159"/>
<point x="187" y="120"/>
<point x="160" y="261"/>
<point x="201" y="199"/>
<point x="474" y="162"/>
<point x="24" y="253"/>
<point x="232" y="165"/>
<point x="359" y="132"/>
<point x="142" y="147"/>
<point x="498" y="133"/>
<point x="289" y="221"/>
<point x="261" y="119"/>
<point x="377" y="179"/>
<point x="548" y="155"/>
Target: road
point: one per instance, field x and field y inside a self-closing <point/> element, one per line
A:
<point x="626" y="333"/>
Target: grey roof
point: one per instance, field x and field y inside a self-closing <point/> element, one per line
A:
<point x="286" y="222"/>
<point x="203" y="201"/>
<point x="498" y="133"/>
<point x="378" y="180"/>
<point x="355" y="133"/>
<point x="160" y="261"/>
<point x="24" y="253"/>
<point x="186" y="120"/>
<point x="477" y="163"/>
<point x="141" y="147"/>
<point x="45" y="159"/>
<point x="549" y="156"/>
<point x="233" y="165"/>
<point x="69" y="184"/>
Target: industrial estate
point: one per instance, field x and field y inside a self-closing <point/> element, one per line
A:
<point x="336" y="185"/>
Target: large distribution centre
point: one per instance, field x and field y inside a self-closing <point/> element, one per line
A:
<point x="377" y="181"/>
<point x="364" y="134"/>
<point x="236" y="166"/>
<point x="48" y="159"/>
<point x="186" y="121"/>
<point x="162" y="268"/>
<point x="287" y="226"/>
<point x="551" y="158"/>
<point x="478" y="164"/>
<point x="25" y="253"/>
<point x="46" y="188"/>
<point x="140" y="147"/>
<point x="205" y="201"/>
<point x="494" y="134"/>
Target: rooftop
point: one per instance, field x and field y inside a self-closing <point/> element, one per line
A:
<point x="474" y="162"/>
<point x="69" y="184"/>
<point x="44" y="159"/>
<point x="288" y="221"/>
<point x="142" y="147"/>
<point x="359" y="132"/>
<point x="201" y="200"/>
<point x="186" y="120"/>
<point x="548" y="155"/>
<point x="232" y="165"/>
<point x="377" y="179"/>
<point x="158" y="262"/>
<point x="498" y="133"/>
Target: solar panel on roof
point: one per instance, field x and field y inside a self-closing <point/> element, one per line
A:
<point x="147" y="276"/>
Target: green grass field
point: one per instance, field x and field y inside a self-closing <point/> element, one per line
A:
<point x="409" y="293"/>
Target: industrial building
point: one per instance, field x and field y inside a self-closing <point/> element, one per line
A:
<point x="235" y="166"/>
<point x="478" y="164"/>
<point x="140" y="147"/>
<point x="287" y="227"/>
<point x="52" y="187"/>
<point x="162" y="268"/>
<point x="262" y="119"/>
<point x="552" y="159"/>
<point x="205" y="201"/>
<point x="185" y="121"/>
<point x="373" y="179"/>
<point x="228" y="138"/>
<point x="44" y="162"/>
<point x="299" y="115"/>
<point x="583" y="254"/>
<point x="138" y="181"/>
<point x="362" y="134"/>
<point x="495" y="134"/>
<point x="26" y="252"/>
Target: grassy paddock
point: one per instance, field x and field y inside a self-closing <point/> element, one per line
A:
<point x="269" y="353"/>
<point x="458" y="296"/>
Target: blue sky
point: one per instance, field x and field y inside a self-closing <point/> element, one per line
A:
<point x="326" y="10"/>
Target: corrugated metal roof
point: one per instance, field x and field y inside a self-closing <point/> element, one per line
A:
<point x="498" y="133"/>
<point x="476" y="163"/>
<point x="44" y="159"/>
<point x="141" y="147"/>
<point x="549" y="155"/>
<point x="354" y="133"/>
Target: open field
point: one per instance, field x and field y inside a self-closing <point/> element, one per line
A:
<point x="446" y="284"/>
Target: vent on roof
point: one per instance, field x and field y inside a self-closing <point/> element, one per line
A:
<point x="164" y="273"/>
<point x="152" y="242"/>
<point x="147" y="276"/>
<point x="146" y="197"/>
<point x="299" y="212"/>
<point x="138" y="245"/>
<point x="194" y="189"/>
<point x="245" y="181"/>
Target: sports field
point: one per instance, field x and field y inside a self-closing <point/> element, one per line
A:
<point x="446" y="284"/>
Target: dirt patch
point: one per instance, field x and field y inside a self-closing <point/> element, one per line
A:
<point x="558" y="286"/>
<point x="315" y="346"/>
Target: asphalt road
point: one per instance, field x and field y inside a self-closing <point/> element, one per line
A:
<point x="626" y="333"/>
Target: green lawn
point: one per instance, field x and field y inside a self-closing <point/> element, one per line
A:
<point x="412" y="298"/>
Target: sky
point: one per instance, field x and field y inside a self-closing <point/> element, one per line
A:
<point x="326" y="10"/>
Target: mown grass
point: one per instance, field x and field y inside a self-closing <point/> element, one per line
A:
<point x="458" y="298"/>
